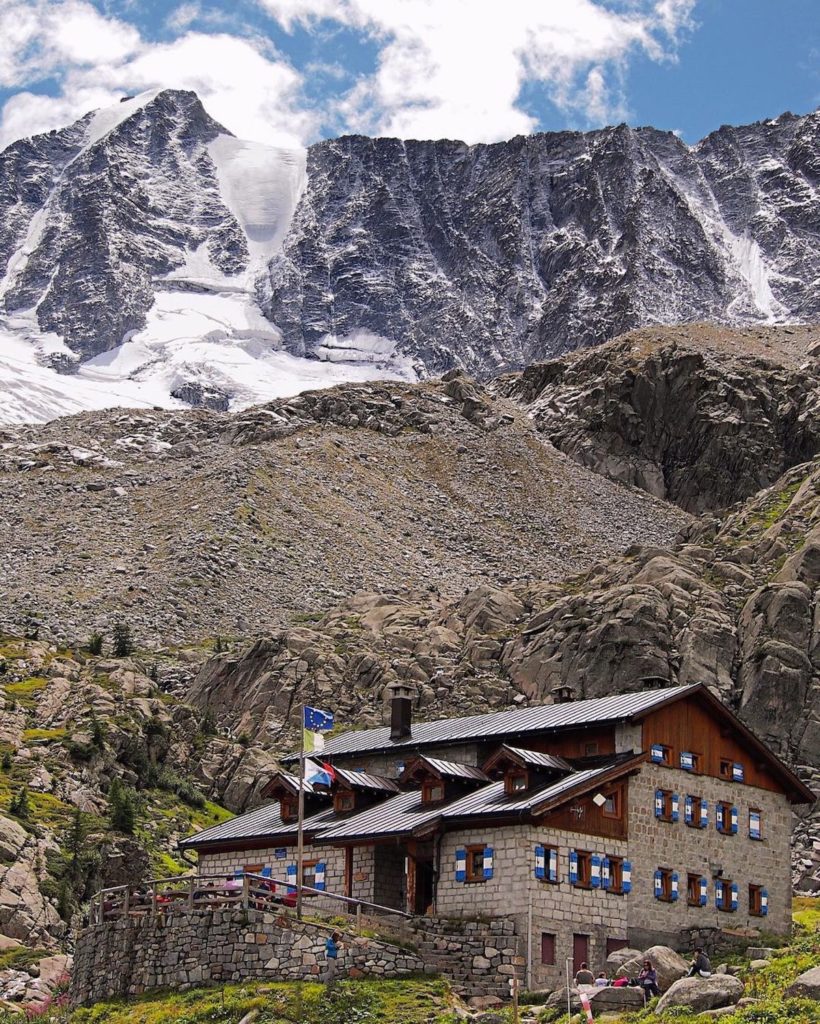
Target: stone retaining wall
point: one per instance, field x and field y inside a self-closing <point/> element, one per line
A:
<point x="129" y="956"/>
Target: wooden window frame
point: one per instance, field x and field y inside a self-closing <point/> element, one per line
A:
<point x="667" y="806"/>
<point x="590" y="748"/>
<point x="584" y="863"/>
<point x="471" y="873"/>
<point x="726" y="768"/>
<point x="546" y="878"/>
<point x="726" y="827"/>
<point x="697" y="763"/>
<point x="289" y="808"/>
<point x="667" y="755"/>
<point x="510" y="778"/>
<point x="551" y="941"/>
<point x="692" y="889"/>
<point x="344" y="801"/>
<point x="666" y="885"/>
<point x="616" y="875"/>
<point x="726" y="903"/>
<point x="427" y="791"/>
<point x="756" y="900"/>
<point x="697" y="803"/>
<point x="617" y="796"/>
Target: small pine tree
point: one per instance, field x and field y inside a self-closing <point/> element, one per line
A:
<point x="7" y="761"/>
<point x="20" y="806"/>
<point x="97" y="733"/>
<point x="95" y="643"/>
<point x="219" y="645"/>
<point x="65" y="900"/>
<point x="122" y="807"/>
<point x="122" y="643"/>
<point x="153" y="673"/>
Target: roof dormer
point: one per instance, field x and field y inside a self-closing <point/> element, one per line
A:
<point x="441" y="780"/>
<point x="284" y="787"/>
<point x="523" y="770"/>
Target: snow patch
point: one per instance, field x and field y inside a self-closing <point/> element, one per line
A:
<point x="106" y="119"/>
<point x="360" y="347"/>
<point x="753" y="269"/>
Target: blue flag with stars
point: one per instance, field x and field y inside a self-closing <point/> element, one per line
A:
<point x="318" y="721"/>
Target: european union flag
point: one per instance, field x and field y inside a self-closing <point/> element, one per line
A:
<point x="318" y="721"/>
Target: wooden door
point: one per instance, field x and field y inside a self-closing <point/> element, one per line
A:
<point x="580" y="951"/>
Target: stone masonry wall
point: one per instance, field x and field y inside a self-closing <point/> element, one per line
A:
<point x="558" y="908"/>
<point x="129" y="956"/>
<point x="657" y="844"/>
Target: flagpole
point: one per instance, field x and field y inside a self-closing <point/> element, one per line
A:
<point x="300" y="837"/>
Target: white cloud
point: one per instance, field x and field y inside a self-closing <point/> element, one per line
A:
<point x="456" y="67"/>
<point x="256" y="95"/>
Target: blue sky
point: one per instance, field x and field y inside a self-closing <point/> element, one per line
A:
<point x="292" y="71"/>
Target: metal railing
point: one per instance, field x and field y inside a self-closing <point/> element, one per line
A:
<point x="210" y="892"/>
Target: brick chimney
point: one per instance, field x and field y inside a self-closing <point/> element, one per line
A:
<point x="401" y="710"/>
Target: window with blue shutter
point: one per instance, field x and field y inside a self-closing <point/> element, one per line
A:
<point x="627" y="876"/>
<point x="540" y="867"/>
<point x="488" y="862"/>
<point x="552" y="866"/>
<point x="733" y="891"/>
<point x="704" y="891"/>
<point x="687" y="761"/>
<point x="754" y="825"/>
<point x="658" y="880"/>
<point x="737" y="772"/>
<point x="573" y="867"/>
<point x="605" y="872"/>
<point x="764" y="902"/>
<point x="704" y="813"/>
<point x="675" y="811"/>
<point x="291" y="873"/>
<point x="657" y="753"/>
<point x="461" y="865"/>
<point x="675" y="886"/>
<point x="659" y="803"/>
<point x="719" y="894"/>
<point x="733" y="819"/>
<point x="689" y="810"/>
<point x="595" y="871"/>
<point x="719" y="816"/>
<point x="319" y="876"/>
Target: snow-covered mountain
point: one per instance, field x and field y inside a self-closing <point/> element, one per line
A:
<point x="149" y="257"/>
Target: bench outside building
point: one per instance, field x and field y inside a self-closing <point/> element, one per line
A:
<point x="642" y="818"/>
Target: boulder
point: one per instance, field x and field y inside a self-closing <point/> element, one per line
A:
<point x="760" y="952"/>
<point x="620" y="957"/>
<point x="807" y="986"/>
<point x="758" y="965"/>
<point x="669" y="965"/>
<point x="616" y="1000"/>
<point x="701" y="994"/>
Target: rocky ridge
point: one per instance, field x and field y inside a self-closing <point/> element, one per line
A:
<point x="696" y="415"/>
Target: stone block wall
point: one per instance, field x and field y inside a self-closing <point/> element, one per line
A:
<point x="129" y="956"/>
<point x="657" y="844"/>
<point x="558" y="909"/>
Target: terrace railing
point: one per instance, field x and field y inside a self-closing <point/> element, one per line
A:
<point x="209" y="892"/>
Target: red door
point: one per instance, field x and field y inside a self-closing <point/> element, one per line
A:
<point x="580" y="951"/>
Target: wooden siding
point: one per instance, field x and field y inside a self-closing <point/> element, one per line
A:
<point x="688" y="726"/>
<point x="592" y="821"/>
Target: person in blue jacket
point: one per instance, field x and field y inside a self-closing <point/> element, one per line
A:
<point x="332" y="945"/>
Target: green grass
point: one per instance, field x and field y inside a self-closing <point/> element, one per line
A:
<point x="412" y="1001"/>
<point x="42" y="735"/>
<point x="26" y="692"/>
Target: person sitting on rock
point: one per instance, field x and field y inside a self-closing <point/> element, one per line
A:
<point x="584" y="975"/>
<point x="701" y="966"/>
<point x="648" y="980"/>
<point x="601" y="981"/>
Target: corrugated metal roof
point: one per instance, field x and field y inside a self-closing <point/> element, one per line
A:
<point x="542" y="718"/>
<point x="541" y="760"/>
<point x="455" y="770"/>
<point x="493" y="799"/>
<point x="367" y="781"/>
<point x="397" y="816"/>
<point x="263" y="822"/>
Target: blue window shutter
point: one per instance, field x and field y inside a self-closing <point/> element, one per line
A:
<point x="658" y="885"/>
<point x="627" y="876"/>
<point x="687" y="761"/>
<point x="719" y="818"/>
<point x="573" y="867"/>
<point x="704" y="813"/>
<point x="675" y="807"/>
<point x="733" y="827"/>
<point x="291" y="873"/>
<point x="734" y="896"/>
<point x="488" y="862"/>
<point x="704" y="892"/>
<point x="718" y="893"/>
<point x="738" y="774"/>
<point x="319" y="876"/>
<point x="658" y="803"/>
<point x="605" y="875"/>
<point x="461" y="865"/>
<point x="754" y="824"/>
<point x="552" y="867"/>
<point x="688" y="810"/>
<point x="764" y="901"/>
<point x="595" y="871"/>
<point x="675" y="885"/>
<point x="539" y="861"/>
<point x="656" y="753"/>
